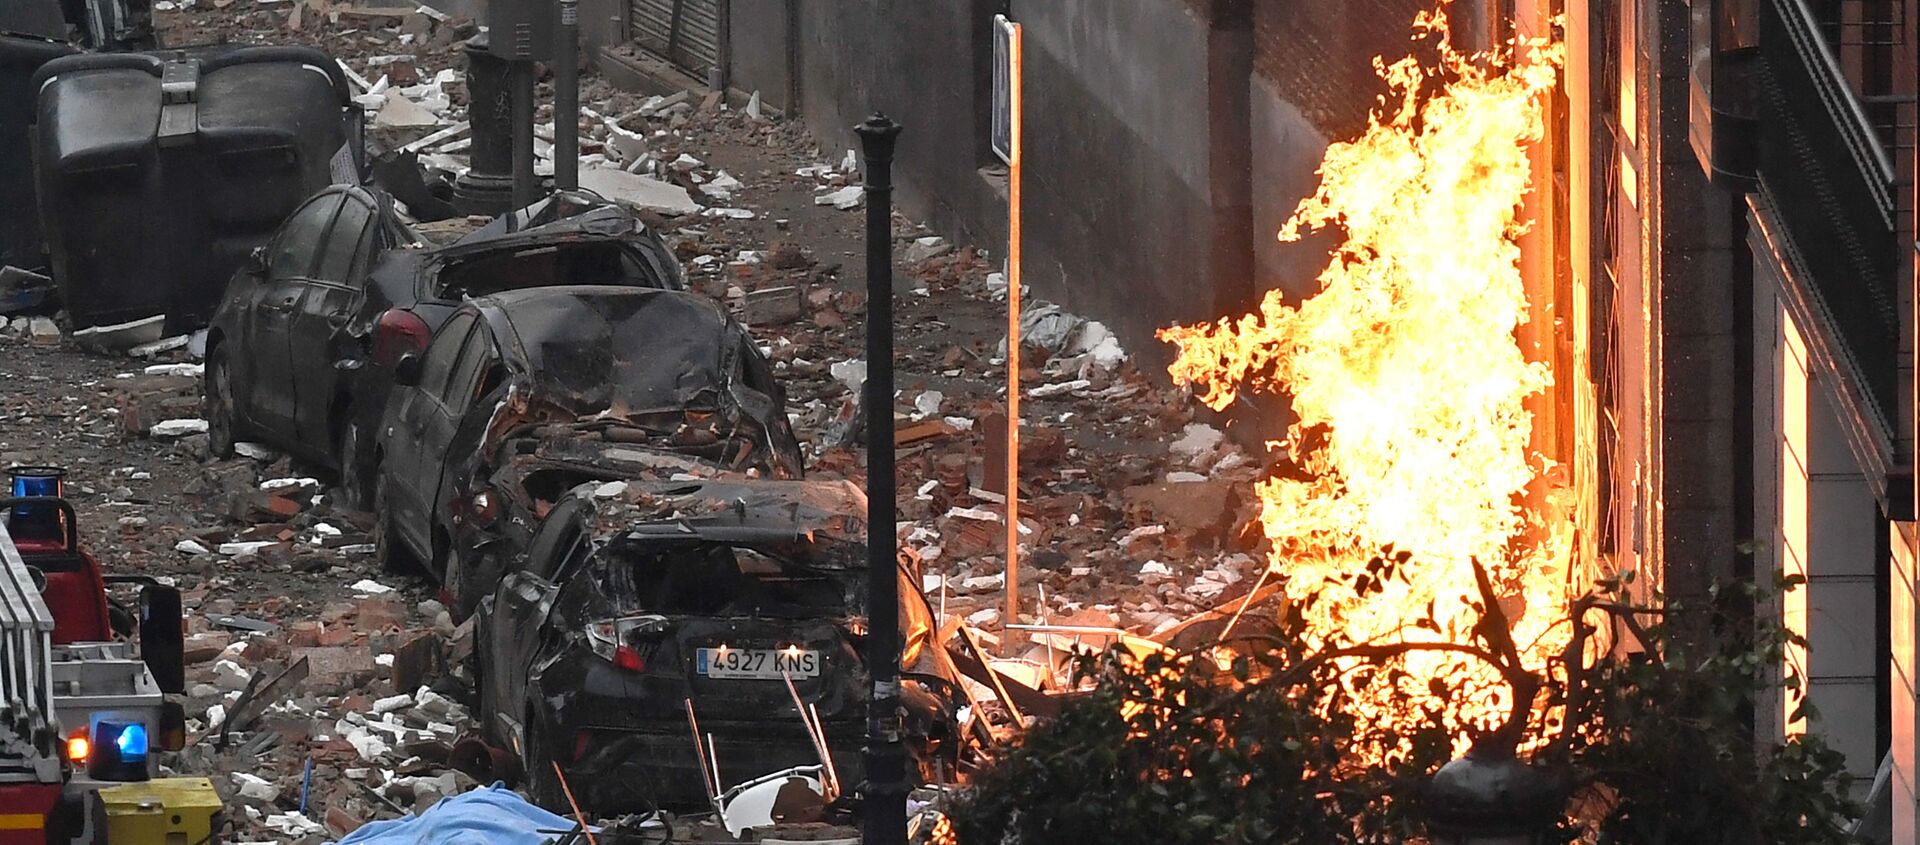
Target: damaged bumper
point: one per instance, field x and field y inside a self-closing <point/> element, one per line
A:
<point x="626" y="769"/>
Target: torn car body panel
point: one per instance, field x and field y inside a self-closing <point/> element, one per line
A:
<point x="717" y="593"/>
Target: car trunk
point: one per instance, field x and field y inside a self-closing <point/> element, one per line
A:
<point x="728" y="625"/>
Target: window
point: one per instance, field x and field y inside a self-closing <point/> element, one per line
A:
<point x="343" y="242"/>
<point x="442" y="353"/>
<point x="298" y="243"/>
<point x="477" y="357"/>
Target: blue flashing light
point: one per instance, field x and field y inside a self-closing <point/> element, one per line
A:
<point x="38" y="481"/>
<point x="132" y="742"/>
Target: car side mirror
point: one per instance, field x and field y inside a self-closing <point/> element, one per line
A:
<point x="406" y="371"/>
<point x="257" y="261"/>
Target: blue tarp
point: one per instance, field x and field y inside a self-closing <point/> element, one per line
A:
<point x="495" y="815"/>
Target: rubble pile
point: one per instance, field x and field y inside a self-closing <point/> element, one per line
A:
<point x="304" y="652"/>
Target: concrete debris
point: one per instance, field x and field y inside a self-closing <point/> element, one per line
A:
<point x="638" y="192"/>
<point x="845" y="199"/>
<point x="171" y="429"/>
<point x="927" y="248"/>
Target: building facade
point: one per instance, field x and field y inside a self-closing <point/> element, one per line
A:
<point x="1721" y="251"/>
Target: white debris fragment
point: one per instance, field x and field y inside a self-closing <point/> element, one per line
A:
<point x="1154" y="567"/>
<point x="851" y="372"/>
<point x="976" y="514"/>
<point x="984" y="616"/>
<point x="254" y="787"/>
<point x="686" y="163"/>
<point x="293" y="825"/>
<point x="256" y="451"/>
<point x="1197" y="440"/>
<point x="370" y="587"/>
<point x="392" y="703"/>
<point x="191" y="548"/>
<point x="244" y="548"/>
<point x="165" y="344"/>
<point x="275" y="485"/>
<point x="926" y="248"/>
<point x="1058" y="388"/>
<point x="729" y="213"/>
<point x="228" y="675"/>
<point x="984" y="583"/>
<point x="927" y="403"/>
<point x="845" y="199"/>
<point x="169" y="429"/>
<point x="1138" y="533"/>
<point x="638" y="191"/>
<point x="959" y="423"/>
<point x="1184" y="477"/>
<point x="189" y="370"/>
<point x="925" y="493"/>
<point x="722" y="186"/>
<point x="610" y="489"/>
<point x="850" y="163"/>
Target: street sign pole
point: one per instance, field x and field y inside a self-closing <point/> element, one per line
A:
<point x="1007" y="45"/>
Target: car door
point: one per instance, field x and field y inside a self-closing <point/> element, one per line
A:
<point x="475" y="372"/>
<point x="291" y="260"/>
<point x="516" y="618"/>
<point x="411" y="468"/>
<point x="325" y="308"/>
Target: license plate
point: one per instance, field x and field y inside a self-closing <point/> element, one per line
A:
<point x="764" y="664"/>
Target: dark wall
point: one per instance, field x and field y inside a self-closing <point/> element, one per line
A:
<point x="1119" y="180"/>
<point x="757" y="30"/>
<point x="923" y="64"/>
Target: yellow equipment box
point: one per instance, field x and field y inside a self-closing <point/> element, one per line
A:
<point x="165" y="811"/>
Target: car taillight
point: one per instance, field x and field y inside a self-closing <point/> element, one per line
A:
<point x="482" y="509"/>
<point x="625" y="642"/>
<point x="399" y="332"/>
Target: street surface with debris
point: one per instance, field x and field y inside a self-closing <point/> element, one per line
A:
<point x="1131" y="498"/>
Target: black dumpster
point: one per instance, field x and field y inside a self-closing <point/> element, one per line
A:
<point x="21" y="56"/>
<point x="157" y="174"/>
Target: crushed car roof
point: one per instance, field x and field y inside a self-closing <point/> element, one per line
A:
<point x="729" y="510"/>
<point x="619" y="350"/>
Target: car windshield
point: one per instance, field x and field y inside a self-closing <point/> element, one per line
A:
<point x="622" y="354"/>
<point x="723" y="579"/>
<point x="592" y="262"/>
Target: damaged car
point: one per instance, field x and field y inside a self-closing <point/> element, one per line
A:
<point x="579" y="367"/>
<point x="721" y="615"/>
<point x="300" y="353"/>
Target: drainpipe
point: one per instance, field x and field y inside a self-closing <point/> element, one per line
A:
<point x="884" y="806"/>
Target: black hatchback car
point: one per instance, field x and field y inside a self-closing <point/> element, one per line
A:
<point x="639" y="609"/>
<point x="657" y="369"/>
<point x="300" y="352"/>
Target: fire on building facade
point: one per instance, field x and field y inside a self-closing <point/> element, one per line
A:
<point x="1719" y="253"/>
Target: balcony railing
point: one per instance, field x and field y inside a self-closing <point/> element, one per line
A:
<point x="1832" y="182"/>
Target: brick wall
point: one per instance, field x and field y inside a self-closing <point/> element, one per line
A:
<point x="1319" y="53"/>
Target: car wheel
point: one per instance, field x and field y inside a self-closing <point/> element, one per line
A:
<point x="219" y="405"/>
<point x="393" y="551"/>
<point x="542" y="784"/>
<point x="353" y="468"/>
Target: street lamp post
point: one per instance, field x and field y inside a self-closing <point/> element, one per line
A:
<point x="1491" y="798"/>
<point x="884" y="806"/>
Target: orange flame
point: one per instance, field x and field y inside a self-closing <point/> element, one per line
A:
<point x="1406" y="375"/>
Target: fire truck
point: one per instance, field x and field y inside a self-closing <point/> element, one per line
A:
<point x="85" y="688"/>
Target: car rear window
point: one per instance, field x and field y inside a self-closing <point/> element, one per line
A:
<point x="718" y="579"/>
<point x="543" y="265"/>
